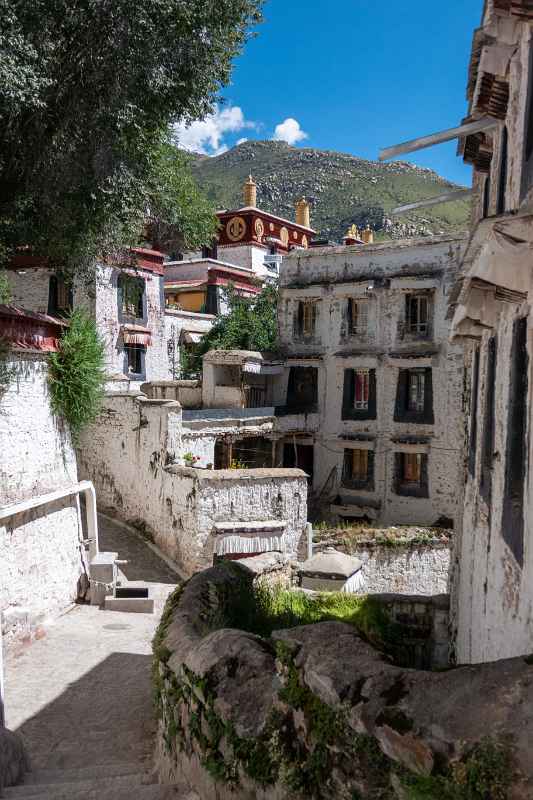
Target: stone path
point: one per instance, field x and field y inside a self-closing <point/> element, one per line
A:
<point x="81" y="696"/>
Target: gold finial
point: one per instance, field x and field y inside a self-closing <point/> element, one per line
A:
<point x="250" y="193"/>
<point x="368" y="235"/>
<point x="353" y="232"/>
<point x="303" y="214"/>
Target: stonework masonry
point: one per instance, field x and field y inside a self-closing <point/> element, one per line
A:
<point x="375" y="281"/>
<point x="41" y="556"/>
<point x="132" y="455"/>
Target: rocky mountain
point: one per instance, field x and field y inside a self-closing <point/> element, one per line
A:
<point x="341" y="188"/>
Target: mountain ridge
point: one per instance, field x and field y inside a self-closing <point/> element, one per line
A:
<point x="341" y="188"/>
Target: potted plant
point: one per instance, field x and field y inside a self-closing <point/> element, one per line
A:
<point x="190" y="460"/>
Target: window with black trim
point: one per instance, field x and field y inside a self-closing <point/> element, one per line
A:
<point x="358" y="469"/>
<point x="418" y="315"/>
<point x="135" y="355"/>
<point x="486" y="197"/>
<point x="131" y="297"/>
<point x="60" y="296"/>
<point x="359" y="394"/>
<point x="414" y="396"/>
<point x="302" y="389"/>
<point x="487" y="448"/>
<point x="472" y="445"/>
<point x="502" y="180"/>
<point x="411" y="474"/>
<point x="357" y="316"/>
<point x="305" y="319"/>
<point x="527" y="178"/>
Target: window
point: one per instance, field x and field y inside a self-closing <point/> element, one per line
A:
<point x="357" y="316"/>
<point x="489" y="423"/>
<point x="486" y="197"/>
<point x="302" y="389"/>
<point x="358" y="472"/>
<point x="502" y="181"/>
<point x="60" y="297"/>
<point x="212" y="304"/>
<point x="362" y="384"/>
<point x="472" y="448"/>
<point x="131" y="296"/>
<point x="412" y="474"/>
<point x="416" y="396"/>
<point x="134" y="359"/>
<point x="417" y="314"/>
<point x="359" y="395"/>
<point x="517" y="444"/>
<point x="305" y="322"/>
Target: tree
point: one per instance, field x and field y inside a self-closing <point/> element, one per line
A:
<point x="250" y="323"/>
<point x="88" y="92"/>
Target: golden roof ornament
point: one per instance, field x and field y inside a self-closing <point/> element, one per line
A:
<point x="352" y="232"/>
<point x="250" y="193"/>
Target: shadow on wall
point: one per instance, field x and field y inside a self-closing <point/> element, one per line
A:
<point x="105" y="716"/>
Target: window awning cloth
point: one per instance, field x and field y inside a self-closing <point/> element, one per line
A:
<point x="506" y="257"/>
<point x="190" y="337"/>
<point x="136" y="334"/>
<point x="262" y="369"/>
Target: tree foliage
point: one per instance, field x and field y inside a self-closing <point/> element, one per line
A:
<point x="88" y="92"/>
<point x="250" y="323"/>
<point x="76" y="375"/>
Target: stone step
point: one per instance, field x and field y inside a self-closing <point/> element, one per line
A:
<point x="103" y="790"/>
<point x="82" y="773"/>
<point x="67" y="788"/>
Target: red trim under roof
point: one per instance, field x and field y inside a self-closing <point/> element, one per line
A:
<point x="150" y="260"/>
<point x="27" y="330"/>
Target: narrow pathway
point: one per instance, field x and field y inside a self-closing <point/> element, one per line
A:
<point x="81" y="696"/>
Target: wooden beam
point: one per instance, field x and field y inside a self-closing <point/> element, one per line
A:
<point x="484" y="124"/>
<point x="446" y="197"/>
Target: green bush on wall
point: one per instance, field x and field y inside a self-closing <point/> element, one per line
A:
<point x="76" y="376"/>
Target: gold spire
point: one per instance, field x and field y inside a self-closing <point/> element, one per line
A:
<point x="353" y="232"/>
<point x="250" y="193"/>
<point x="303" y="215"/>
<point x="368" y="235"/>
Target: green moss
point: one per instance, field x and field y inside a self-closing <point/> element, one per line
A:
<point x="484" y="774"/>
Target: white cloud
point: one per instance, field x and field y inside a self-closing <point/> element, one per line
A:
<point x="289" y="131"/>
<point x="206" y="136"/>
<point x="242" y="141"/>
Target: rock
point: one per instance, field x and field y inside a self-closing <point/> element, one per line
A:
<point x="406" y="749"/>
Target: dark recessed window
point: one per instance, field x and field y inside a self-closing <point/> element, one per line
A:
<point x="414" y="396"/>
<point x="357" y="311"/>
<point x="502" y="181"/>
<point x="302" y="389"/>
<point x="134" y="359"/>
<point x="131" y="292"/>
<point x="358" y="469"/>
<point x="486" y="197"/>
<point x="359" y="394"/>
<point x="305" y="321"/>
<point x="417" y="315"/>
<point x="411" y="474"/>
<point x="60" y="296"/>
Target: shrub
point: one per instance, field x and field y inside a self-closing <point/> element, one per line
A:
<point x="76" y="376"/>
<point x="6" y="372"/>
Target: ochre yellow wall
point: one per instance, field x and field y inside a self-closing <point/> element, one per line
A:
<point x="190" y="301"/>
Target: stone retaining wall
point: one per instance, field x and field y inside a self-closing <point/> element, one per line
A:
<point x="316" y="712"/>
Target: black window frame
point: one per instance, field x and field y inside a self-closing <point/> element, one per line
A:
<point x="140" y="352"/>
<point x="414" y="330"/>
<point x="55" y="283"/>
<point x="402" y="411"/>
<point x="141" y="314"/>
<point x="298" y="322"/>
<point x="502" y="177"/>
<point x="310" y="406"/>
<point x="349" y="412"/>
<point x="348" y="481"/>
<point x="408" y="489"/>
<point x="489" y="422"/>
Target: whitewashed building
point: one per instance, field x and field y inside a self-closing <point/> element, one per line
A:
<point x="373" y="392"/>
<point x="493" y="594"/>
<point x="126" y="301"/>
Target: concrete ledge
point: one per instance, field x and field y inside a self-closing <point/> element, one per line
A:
<point x="237" y="526"/>
<point x="139" y="605"/>
<point x="233" y="474"/>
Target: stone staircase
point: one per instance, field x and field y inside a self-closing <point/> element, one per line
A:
<point x="114" y="781"/>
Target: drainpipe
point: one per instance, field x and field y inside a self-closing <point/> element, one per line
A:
<point x="84" y="487"/>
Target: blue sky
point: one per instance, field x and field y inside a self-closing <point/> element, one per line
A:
<point x="353" y="76"/>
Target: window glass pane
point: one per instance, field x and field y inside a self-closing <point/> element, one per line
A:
<point x="412" y="464"/>
<point x="360" y="464"/>
<point x="362" y="384"/>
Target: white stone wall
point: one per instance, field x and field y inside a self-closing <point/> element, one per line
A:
<point x="125" y="454"/>
<point x="331" y="276"/>
<point x="421" y="570"/>
<point x="98" y="295"/>
<point x="175" y="322"/>
<point x="41" y="558"/>
<point x="492" y="594"/>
